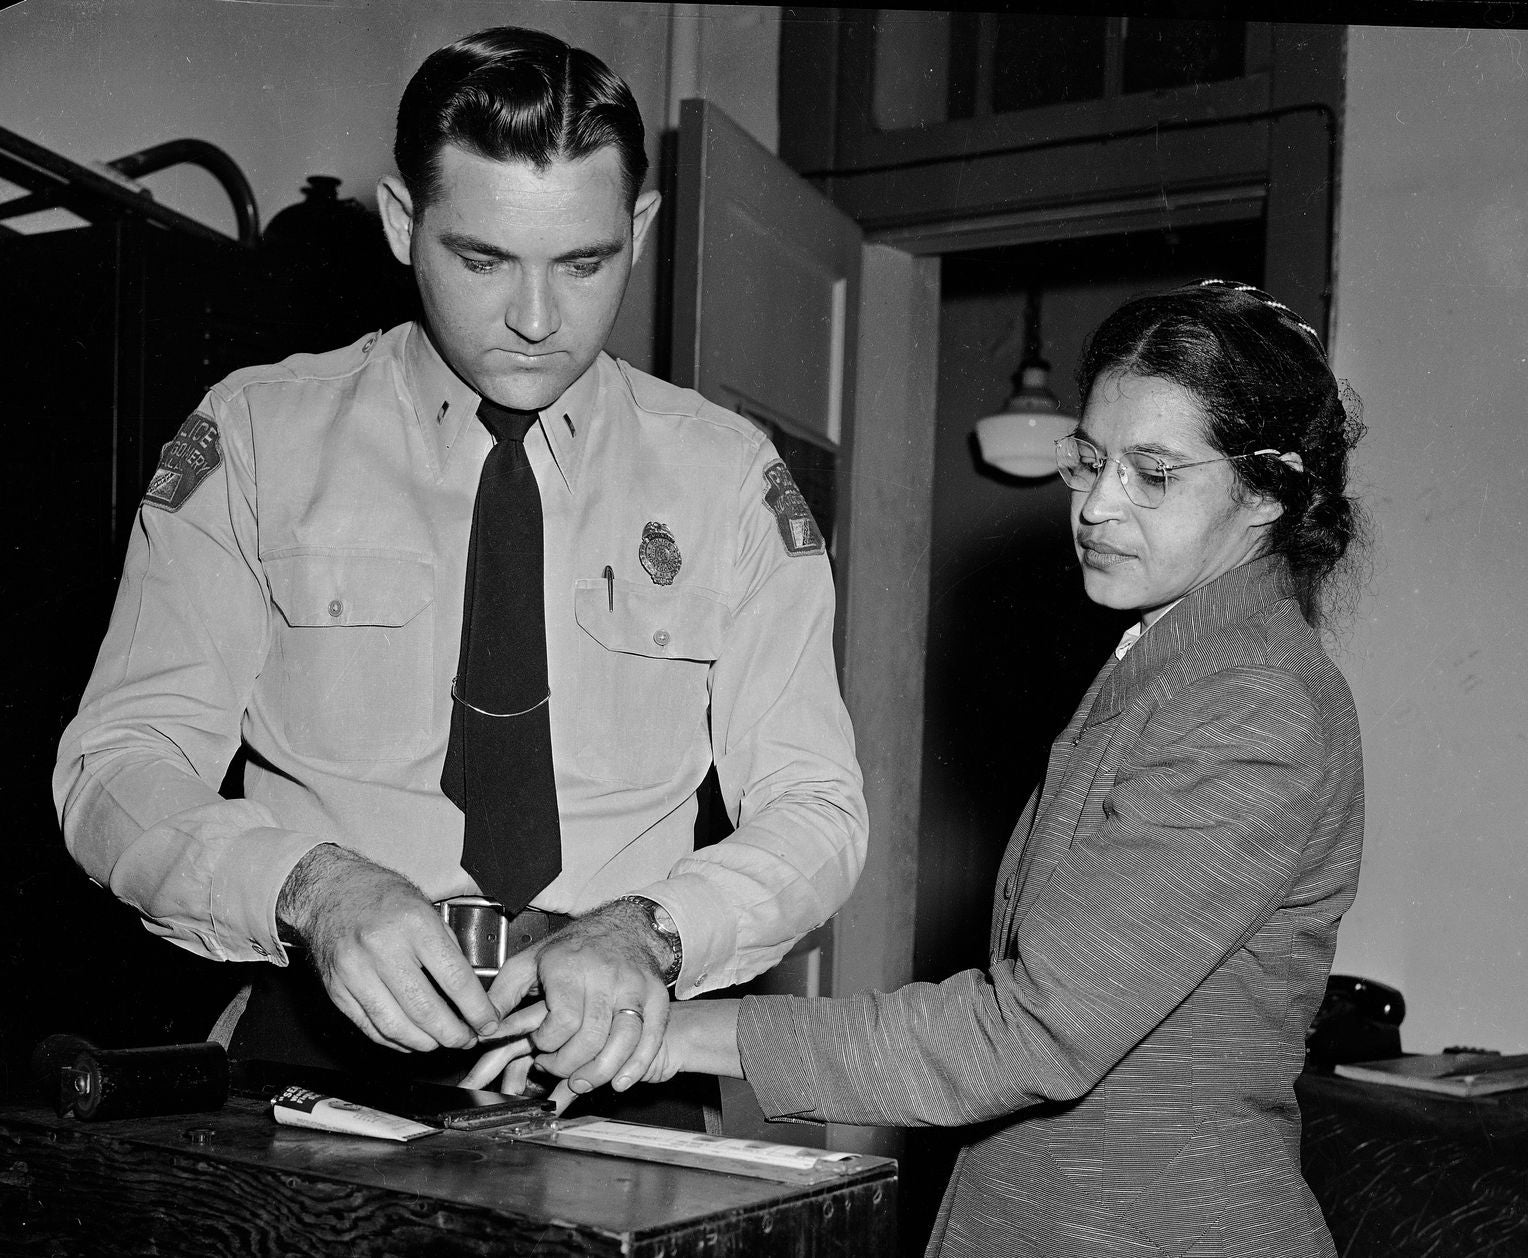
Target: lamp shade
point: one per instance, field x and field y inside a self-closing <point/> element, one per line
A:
<point x="1021" y="438"/>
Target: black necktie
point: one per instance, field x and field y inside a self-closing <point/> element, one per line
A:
<point x="499" y="760"/>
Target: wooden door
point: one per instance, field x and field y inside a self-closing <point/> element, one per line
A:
<point x="766" y="280"/>
<point x="783" y="313"/>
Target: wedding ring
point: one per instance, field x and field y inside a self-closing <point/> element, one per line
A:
<point x="635" y="1013"/>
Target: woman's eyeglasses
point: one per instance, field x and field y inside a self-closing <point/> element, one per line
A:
<point x="1144" y="477"/>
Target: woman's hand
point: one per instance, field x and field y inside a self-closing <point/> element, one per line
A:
<point x="701" y="1038"/>
<point x="506" y="1065"/>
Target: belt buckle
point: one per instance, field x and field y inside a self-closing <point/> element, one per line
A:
<point x="479" y="925"/>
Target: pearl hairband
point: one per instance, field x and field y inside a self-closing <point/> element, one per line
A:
<point x="1268" y="301"/>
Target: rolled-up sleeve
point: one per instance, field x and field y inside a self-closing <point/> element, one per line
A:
<point x="137" y="779"/>
<point x="784" y="753"/>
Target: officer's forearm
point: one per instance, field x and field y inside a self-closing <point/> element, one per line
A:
<point x="307" y="888"/>
<point x="625" y="921"/>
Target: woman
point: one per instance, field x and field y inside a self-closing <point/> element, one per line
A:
<point x="1166" y="912"/>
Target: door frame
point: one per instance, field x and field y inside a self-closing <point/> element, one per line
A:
<point x="886" y="485"/>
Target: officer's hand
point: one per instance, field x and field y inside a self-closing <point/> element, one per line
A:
<point x="382" y="951"/>
<point x="606" y="1005"/>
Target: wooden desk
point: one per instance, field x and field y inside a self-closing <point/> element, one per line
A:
<point x="1402" y="1174"/>
<point x="151" y="1186"/>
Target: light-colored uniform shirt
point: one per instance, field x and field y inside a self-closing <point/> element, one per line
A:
<point x="294" y="581"/>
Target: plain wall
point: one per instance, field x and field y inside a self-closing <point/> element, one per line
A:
<point x="1432" y="302"/>
<point x="293" y="89"/>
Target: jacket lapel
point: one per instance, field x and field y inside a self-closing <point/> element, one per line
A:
<point x="1037" y="842"/>
<point x="1235" y="596"/>
<point x="1050" y="821"/>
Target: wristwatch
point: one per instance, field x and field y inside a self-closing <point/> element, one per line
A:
<point x="662" y="925"/>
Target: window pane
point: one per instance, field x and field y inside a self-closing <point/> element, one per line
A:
<point x="912" y="67"/>
<point x="1042" y="59"/>
<point x="1167" y="52"/>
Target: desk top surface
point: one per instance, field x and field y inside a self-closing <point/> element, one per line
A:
<point x="612" y="1195"/>
<point x="1499" y="1118"/>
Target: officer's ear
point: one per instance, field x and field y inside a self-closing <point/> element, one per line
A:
<point x="397" y="209"/>
<point x="642" y="216"/>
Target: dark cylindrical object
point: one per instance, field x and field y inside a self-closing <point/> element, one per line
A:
<point x="97" y="1084"/>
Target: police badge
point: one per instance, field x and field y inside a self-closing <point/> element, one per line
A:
<point x="659" y="553"/>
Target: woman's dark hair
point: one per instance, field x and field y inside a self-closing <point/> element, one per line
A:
<point x="511" y="94"/>
<point x="1260" y="374"/>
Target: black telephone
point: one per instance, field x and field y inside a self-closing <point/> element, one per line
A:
<point x="1359" y="1020"/>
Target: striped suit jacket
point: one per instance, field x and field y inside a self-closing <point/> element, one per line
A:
<point x="1163" y="925"/>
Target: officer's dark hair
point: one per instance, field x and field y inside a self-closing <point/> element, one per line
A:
<point x="511" y="94"/>
<point x="1259" y="373"/>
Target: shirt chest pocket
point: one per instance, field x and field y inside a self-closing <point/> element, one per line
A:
<point x="353" y="652"/>
<point x="640" y="693"/>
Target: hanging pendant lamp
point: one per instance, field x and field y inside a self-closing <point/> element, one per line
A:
<point x="1021" y="438"/>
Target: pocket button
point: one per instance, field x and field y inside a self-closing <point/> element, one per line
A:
<point x="336" y="608"/>
<point x="661" y="637"/>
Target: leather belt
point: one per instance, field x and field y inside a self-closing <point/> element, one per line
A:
<point x="487" y="938"/>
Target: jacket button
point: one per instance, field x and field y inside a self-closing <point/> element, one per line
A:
<point x="336" y="608"/>
<point x="661" y="637"/>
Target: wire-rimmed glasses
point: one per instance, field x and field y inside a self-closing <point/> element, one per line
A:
<point x="1144" y="477"/>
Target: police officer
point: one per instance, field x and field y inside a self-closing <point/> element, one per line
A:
<point x="295" y="583"/>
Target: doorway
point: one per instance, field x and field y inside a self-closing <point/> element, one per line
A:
<point x="1012" y="640"/>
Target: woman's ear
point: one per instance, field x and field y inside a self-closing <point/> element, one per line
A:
<point x="1267" y="509"/>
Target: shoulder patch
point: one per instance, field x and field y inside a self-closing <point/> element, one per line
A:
<point x="185" y="461"/>
<point x="798" y="530"/>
